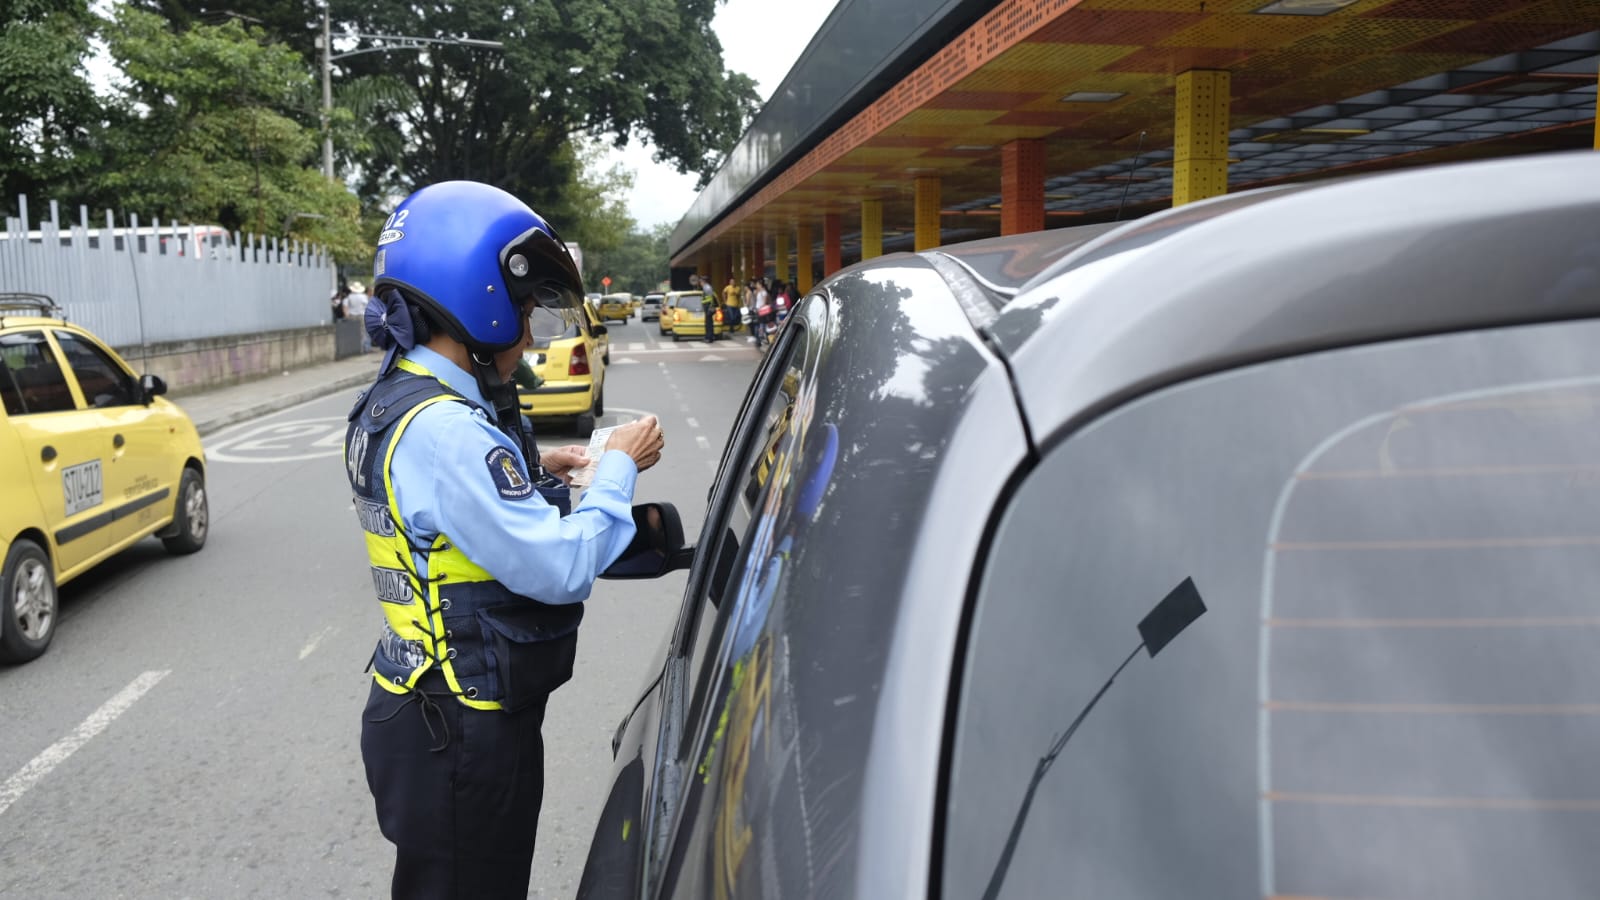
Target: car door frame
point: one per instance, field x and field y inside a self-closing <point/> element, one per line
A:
<point x="678" y="684"/>
<point x="80" y="539"/>
<point x="141" y="482"/>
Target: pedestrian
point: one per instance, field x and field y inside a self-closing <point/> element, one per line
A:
<point x="337" y="302"/>
<point x="763" y="305"/>
<point x="708" y="307"/>
<point x="732" y="300"/>
<point x="355" y="307"/>
<point x="481" y="579"/>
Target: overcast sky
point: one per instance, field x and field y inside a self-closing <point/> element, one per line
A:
<point x="762" y="39"/>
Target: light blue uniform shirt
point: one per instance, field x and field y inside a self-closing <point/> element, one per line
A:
<point x="445" y="482"/>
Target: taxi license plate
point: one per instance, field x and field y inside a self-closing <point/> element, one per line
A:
<point x="81" y="486"/>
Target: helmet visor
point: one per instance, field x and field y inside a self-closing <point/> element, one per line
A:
<point x="536" y="266"/>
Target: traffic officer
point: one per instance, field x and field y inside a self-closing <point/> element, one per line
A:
<point x="481" y="579"/>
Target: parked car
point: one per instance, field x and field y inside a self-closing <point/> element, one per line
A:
<point x="616" y="306"/>
<point x="95" y="460"/>
<point x="1310" y="472"/>
<point x="570" y="367"/>
<point x="683" y="316"/>
<point x="650" y="308"/>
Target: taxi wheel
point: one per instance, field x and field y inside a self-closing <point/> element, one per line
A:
<point x="585" y="423"/>
<point x="28" y="604"/>
<point x="193" y="516"/>
<point x="599" y="403"/>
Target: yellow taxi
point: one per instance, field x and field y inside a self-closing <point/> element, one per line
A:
<point x="616" y="306"/>
<point x="682" y="316"/>
<point x="564" y="373"/>
<point x="597" y="327"/>
<point x="94" y="460"/>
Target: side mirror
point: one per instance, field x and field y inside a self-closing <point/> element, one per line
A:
<point x="598" y="330"/>
<point x="151" y="387"/>
<point x="657" y="547"/>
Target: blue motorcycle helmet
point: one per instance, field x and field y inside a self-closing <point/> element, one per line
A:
<point x="470" y="255"/>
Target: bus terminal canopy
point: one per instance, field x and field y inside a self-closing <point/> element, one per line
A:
<point x="960" y="119"/>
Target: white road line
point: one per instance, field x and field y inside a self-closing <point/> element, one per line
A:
<point x="636" y="345"/>
<point x="701" y="440"/>
<point x="57" y="753"/>
<point x="315" y="640"/>
<point x="684" y="407"/>
<point x="693" y="423"/>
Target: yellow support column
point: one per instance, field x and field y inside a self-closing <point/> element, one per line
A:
<point x="926" y="213"/>
<point x="802" y="256"/>
<point x="1200" y="136"/>
<point x="780" y="254"/>
<point x="871" y="229"/>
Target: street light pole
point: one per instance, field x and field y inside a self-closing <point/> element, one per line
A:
<point x="327" y="96"/>
<point x="389" y="42"/>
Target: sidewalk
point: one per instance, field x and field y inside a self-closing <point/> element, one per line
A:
<point x="217" y="408"/>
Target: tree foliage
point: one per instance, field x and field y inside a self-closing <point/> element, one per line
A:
<point x="47" y="107"/>
<point x="636" y="264"/>
<point x="205" y="130"/>
<point x="217" y="112"/>
<point x="618" y="69"/>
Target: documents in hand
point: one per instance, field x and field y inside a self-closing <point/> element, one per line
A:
<point x="597" y="445"/>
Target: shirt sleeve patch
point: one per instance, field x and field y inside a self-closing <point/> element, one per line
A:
<point x="506" y="470"/>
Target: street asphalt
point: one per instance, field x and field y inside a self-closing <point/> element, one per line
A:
<point x="216" y="408"/>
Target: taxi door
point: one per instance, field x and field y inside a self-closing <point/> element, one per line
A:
<point x="141" y="480"/>
<point x="63" y="455"/>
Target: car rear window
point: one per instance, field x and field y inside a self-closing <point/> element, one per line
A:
<point x="550" y="324"/>
<point x="1395" y="689"/>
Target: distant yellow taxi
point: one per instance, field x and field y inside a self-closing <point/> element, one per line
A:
<point x="94" y="460"/>
<point x="564" y="373"/>
<point x="683" y="317"/>
<point x="598" y="329"/>
<point x="616" y="306"/>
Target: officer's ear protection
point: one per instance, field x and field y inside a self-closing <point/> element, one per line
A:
<point x="421" y="326"/>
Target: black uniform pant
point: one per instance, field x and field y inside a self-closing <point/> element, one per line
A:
<point x="462" y="818"/>
<point x="710" y="326"/>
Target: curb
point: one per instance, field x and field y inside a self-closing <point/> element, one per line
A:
<point x="283" y="401"/>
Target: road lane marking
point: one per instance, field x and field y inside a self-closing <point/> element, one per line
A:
<point x="57" y="753"/>
<point x="693" y="423"/>
<point x="701" y="440"/>
<point x="315" y="640"/>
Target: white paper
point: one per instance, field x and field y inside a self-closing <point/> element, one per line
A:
<point x="597" y="445"/>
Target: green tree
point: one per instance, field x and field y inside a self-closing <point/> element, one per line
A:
<point x="638" y="263"/>
<point x="204" y="130"/>
<point x="617" y="69"/>
<point x="47" y="107"/>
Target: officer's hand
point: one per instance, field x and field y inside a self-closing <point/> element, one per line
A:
<point x="561" y="461"/>
<point x="641" y="440"/>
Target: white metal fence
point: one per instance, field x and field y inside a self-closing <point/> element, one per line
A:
<point x="156" y="283"/>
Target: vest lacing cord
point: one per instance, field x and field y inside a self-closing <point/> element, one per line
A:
<point x="425" y="702"/>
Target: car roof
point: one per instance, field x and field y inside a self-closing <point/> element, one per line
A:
<point x="1260" y="275"/>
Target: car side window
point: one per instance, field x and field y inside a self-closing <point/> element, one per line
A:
<point x="1391" y="691"/>
<point x="103" y="382"/>
<point x="10" y="396"/>
<point x="41" y="386"/>
<point x="750" y="505"/>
